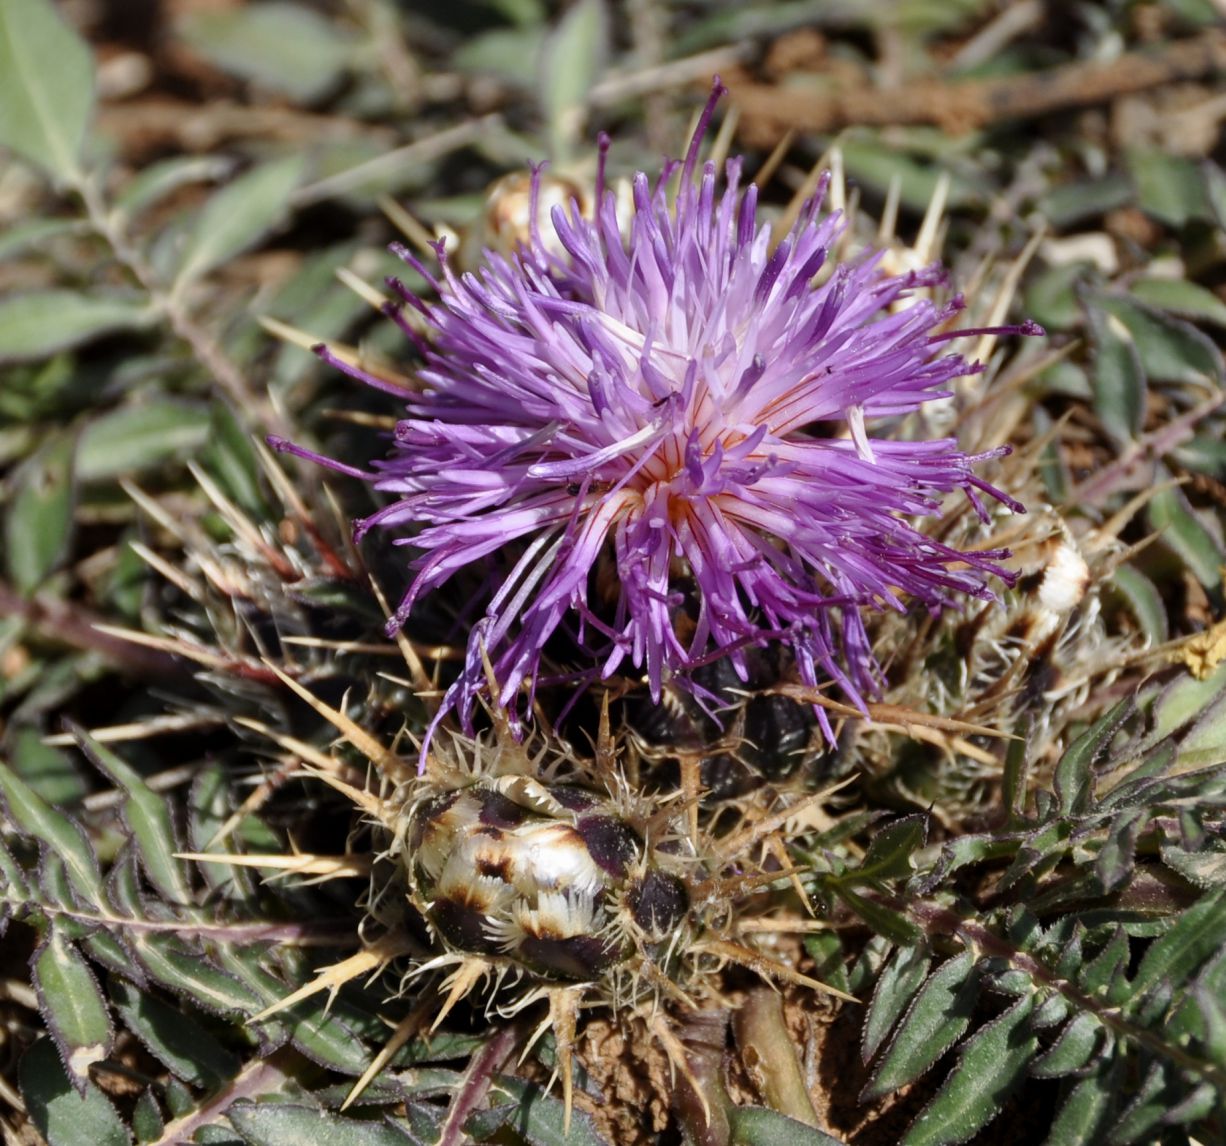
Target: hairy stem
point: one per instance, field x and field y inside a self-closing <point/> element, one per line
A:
<point x="250" y="405"/>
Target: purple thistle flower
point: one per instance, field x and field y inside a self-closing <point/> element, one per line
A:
<point x="673" y="395"/>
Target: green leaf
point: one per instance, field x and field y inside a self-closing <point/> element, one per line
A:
<point x="991" y="1066"/>
<point x="173" y="1037"/>
<point x="38" y="523"/>
<point x="238" y="216"/>
<point x="533" y="1115"/>
<point x="16" y="239"/>
<point x="72" y="1005"/>
<point x="1179" y="296"/>
<point x="889" y="924"/>
<point x="1074" y="779"/>
<point x="64" y="1117"/>
<point x="1073" y="1048"/>
<point x="1184" y="700"/>
<point x="1102" y="975"/>
<point x="895" y="988"/>
<point x="139" y="436"/>
<point x="38" y="324"/>
<point x="147" y="1122"/>
<point x="1119" y="378"/>
<point x="281" y="46"/>
<point x="46" y="87"/>
<point x="315" y="1026"/>
<point x="1171" y="350"/>
<point x="889" y="852"/>
<point x="167" y="176"/>
<point x="1070" y="203"/>
<point x="759" y="1126"/>
<point x="289" y="1124"/>
<point x="192" y="976"/>
<point x="574" y="60"/>
<point x="1117" y="855"/>
<point x="148" y="819"/>
<point x="62" y="836"/>
<point x="1177" y="954"/>
<point x="233" y="461"/>
<point x="1080" y="1120"/>
<point x="1147" y="1109"/>
<point x="935" y="1021"/>
<point x="1169" y="187"/>
<point x="1170" y="512"/>
<point x="1143" y="601"/>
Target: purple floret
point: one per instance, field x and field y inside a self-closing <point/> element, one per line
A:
<point x="682" y="398"/>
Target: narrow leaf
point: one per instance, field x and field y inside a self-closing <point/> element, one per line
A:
<point x="760" y="1126"/>
<point x="1170" y="511"/>
<point x="1118" y="378"/>
<point x="537" y="1117"/>
<point x="173" y="1037"/>
<point x="990" y="1067"/>
<point x="1178" y="953"/>
<point x="574" y="58"/>
<point x="281" y="46"/>
<point x="933" y="1023"/>
<point x="139" y="436"/>
<point x="1074" y="773"/>
<point x="64" y="1117"/>
<point x="1073" y="1048"/>
<point x="148" y="818"/>
<point x="286" y="1124"/>
<point x="38" y="522"/>
<point x="43" y="322"/>
<point x="189" y="975"/>
<point x="896" y="985"/>
<point x="239" y="216"/>
<point x="1181" y="297"/>
<point x="72" y="1006"/>
<point x="147" y="1121"/>
<point x="61" y="836"/>
<point x="46" y="87"/>
<point x="889" y="852"/>
<point x="889" y="924"/>
<point x="1080" y="1120"/>
<point x="1170" y="349"/>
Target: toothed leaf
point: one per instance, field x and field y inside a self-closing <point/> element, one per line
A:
<point x="173" y="1037"/>
<point x="990" y="1067"/>
<point x="895" y="988"/>
<point x="62" y="836"/>
<point x="1082" y="1115"/>
<point x="291" y="1124"/>
<point x="1075" y="1046"/>
<point x="533" y="1115"/>
<point x="63" y="1116"/>
<point x="889" y="853"/>
<point x="760" y="1126"/>
<point x="932" y="1024"/>
<point x="72" y="1005"/>
<point x="1074" y="778"/>
<point x="148" y="819"/>
<point x="1196" y="936"/>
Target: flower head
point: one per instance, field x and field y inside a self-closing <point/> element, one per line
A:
<point x="695" y="402"/>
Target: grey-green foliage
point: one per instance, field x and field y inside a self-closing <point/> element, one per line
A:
<point x="182" y="963"/>
<point x="1083" y="942"/>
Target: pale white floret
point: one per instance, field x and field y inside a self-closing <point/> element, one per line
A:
<point x="1065" y="581"/>
<point x="552" y="856"/>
